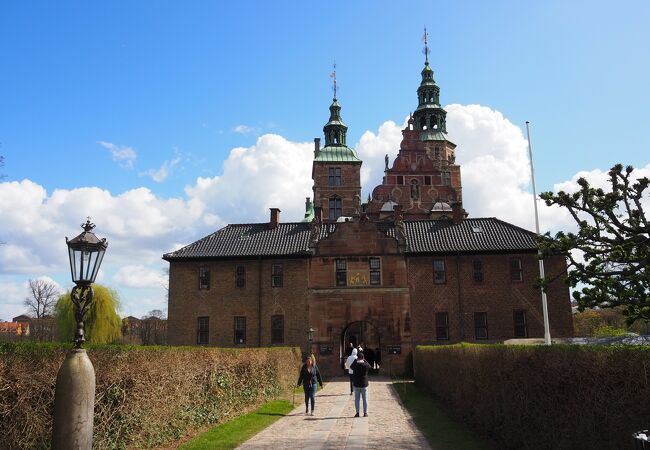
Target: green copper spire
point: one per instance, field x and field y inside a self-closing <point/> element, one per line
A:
<point x="336" y="149"/>
<point x="335" y="129"/>
<point x="429" y="116"/>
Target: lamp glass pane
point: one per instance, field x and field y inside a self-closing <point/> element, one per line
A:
<point x="98" y="262"/>
<point x="73" y="265"/>
<point x="78" y="265"/>
<point x="89" y="260"/>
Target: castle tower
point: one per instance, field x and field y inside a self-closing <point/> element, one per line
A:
<point x="424" y="180"/>
<point x="336" y="170"/>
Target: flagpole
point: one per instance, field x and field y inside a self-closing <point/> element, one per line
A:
<point x="547" y="328"/>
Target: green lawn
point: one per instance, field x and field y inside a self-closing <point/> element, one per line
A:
<point x="442" y="432"/>
<point x="230" y="434"/>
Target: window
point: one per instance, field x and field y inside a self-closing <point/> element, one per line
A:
<point x="240" y="276"/>
<point x="204" y="278"/>
<point x="439" y="275"/>
<point x="334" y="176"/>
<point x="240" y="329"/>
<point x="341" y="272"/>
<point x="276" y="275"/>
<point x="521" y="327"/>
<point x="516" y="272"/>
<point x="400" y="179"/>
<point x="202" y="330"/>
<point x="446" y="178"/>
<point x="277" y="329"/>
<point x="375" y="271"/>
<point x="478" y="271"/>
<point x="442" y="326"/>
<point x="436" y="152"/>
<point x="335" y="208"/>
<point x="480" y="325"/>
<point x="427" y="180"/>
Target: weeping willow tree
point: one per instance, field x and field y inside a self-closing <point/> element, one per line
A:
<point x="103" y="324"/>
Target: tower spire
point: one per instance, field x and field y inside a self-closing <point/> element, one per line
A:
<point x="425" y="50"/>
<point x="429" y="116"/>
<point x="333" y="76"/>
<point x="335" y="129"/>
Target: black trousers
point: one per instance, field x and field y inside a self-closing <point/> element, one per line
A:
<point x="351" y="385"/>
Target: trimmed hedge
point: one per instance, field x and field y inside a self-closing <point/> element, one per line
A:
<point x="145" y="396"/>
<point x="539" y="397"/>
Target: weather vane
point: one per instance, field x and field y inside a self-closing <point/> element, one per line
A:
<point x="333" y="76"/>
<point x="425" y="50"/>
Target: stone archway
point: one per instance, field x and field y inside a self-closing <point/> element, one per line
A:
<point x="361" y="332"/>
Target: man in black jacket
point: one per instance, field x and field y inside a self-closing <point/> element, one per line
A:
<point x="360" y="370"/>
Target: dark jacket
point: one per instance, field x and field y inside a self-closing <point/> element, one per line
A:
<point x="360" y="370"/>
<point x="308" y="380"/>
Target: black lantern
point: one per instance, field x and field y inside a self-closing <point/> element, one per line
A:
<point x="86" y="252"/>
<point x="310" y="335"/>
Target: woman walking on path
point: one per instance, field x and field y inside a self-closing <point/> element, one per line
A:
<point x="348" y="362"/>
<point x="308" y="377"/>
<point x="360" y="369"/>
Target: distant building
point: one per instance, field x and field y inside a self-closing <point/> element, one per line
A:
<point x="408" y="267"/>
<point x="146" y="331"/>
<point x="11" y="330"/>
<point x="25" y="323"/>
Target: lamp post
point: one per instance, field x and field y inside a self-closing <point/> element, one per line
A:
<point x="310" y="338"/>
<point x="74" y="398"/>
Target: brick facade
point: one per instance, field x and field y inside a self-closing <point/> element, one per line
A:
<point x="224" y="300"/>
<point x="398" y="312"/>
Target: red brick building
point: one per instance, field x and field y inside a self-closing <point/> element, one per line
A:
<point x="407" y="267"/>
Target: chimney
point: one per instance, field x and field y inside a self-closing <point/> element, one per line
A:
<point x="458" y="213"/>
<point x="316" y="147"/>
<point x="275" y="217"/>
<point x="307" y="204"/>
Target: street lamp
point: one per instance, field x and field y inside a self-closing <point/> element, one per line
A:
<point x="310" y="338"/>
<point x="86" y="253"/>
<point x="74" y="398"/>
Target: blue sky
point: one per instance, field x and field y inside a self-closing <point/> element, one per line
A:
<point x="107" y="94"/>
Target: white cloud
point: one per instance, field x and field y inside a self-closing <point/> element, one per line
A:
<point x="372" y="149"/>
<point x="159" y="175"/>
<point x="246" y="129"/>
<point x="138" y="276"/>
<point x="12" y="297"/>
<point x="139" y="226"/>
<point x="125" y="156"/>
<point x="274" y="172"/>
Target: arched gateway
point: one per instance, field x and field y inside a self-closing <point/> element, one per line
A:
<point x="364" y="333"/>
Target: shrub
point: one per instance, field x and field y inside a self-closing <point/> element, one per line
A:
<point x="538" y="397"/>
<point x="145" y="396"/>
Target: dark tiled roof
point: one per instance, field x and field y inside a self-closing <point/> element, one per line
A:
<point x="254" y="239"/>
<point x="472" y="235"/>
<point x="423" y="236"/>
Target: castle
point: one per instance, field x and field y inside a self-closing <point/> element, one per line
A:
<point x="408" y="267"/>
